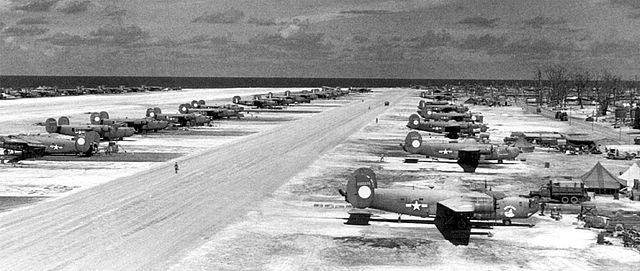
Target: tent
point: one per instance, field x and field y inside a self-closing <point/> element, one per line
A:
<point x="601" y="181"/>
<point x="524" y="145"/>
<point x="633" y="172"/>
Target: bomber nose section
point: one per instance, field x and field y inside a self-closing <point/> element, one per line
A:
<point x="128" y="131"/>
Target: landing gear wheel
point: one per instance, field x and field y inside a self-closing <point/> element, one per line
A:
<point x="574" y="200"/>
<point x="565" y="200"/>
<point x="506" y="222"/>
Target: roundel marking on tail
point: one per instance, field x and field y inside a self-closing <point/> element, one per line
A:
<point x="415" y="143"/>
<point x="364" y="192"/>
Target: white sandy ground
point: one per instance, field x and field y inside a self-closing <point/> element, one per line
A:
<point x="151" y="218"/>
<point x="290" y="232"/>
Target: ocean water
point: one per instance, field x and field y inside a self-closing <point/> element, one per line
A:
<point x="235" y="82"/>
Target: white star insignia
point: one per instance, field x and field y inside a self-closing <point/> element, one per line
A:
<point x="415" y="205"/>
<point x="55" y="147"/>
<point x="445" y="151"/>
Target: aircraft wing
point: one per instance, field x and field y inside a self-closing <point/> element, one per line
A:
<point x="453" y="220"/>
<point x="20" y="144"/>
<point x="458" y="205"/>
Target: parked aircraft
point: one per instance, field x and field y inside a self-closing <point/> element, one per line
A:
<point x="453" y="211"/>
<point x="330" y="92"/>
<point x="107" y="132"/>
<point x="183" y="120"/>
<point x="139" y="124"/>
<point x="468" y="153"/>
<point x="211" y="111"/>
<point x="258" y="102"/>
<point x="468" y="117"/>
<point x="444" y="108"/>
<point x="40" y="145"/>
<point x="295" y="98"/>
<point x="451" y="129"/>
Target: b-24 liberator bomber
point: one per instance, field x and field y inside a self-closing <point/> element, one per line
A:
<point x="183" y="120"/>
<point x="453" y="211"/>
<point x="40" y="145"/>
<point x="211" y="111"/>
<point x="296" y="98"/>
<point x="140" y="125"/>
<point x="106" y="132"/>
<point x="468" y="117"/>
<point x="451" y="129"/>
<point x="443" y="108"/>
<point x="257" y="102"/>
<point x="468" y="153"/>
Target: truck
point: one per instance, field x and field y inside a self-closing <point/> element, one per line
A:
<point x="565" y="191"/>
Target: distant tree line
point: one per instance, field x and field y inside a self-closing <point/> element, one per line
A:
<point x="564" y="80"/>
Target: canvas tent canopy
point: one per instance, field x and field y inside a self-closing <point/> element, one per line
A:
<point x="601" y="181"/>
<point x="632" y="173"/>
<point x="524" y="145"/>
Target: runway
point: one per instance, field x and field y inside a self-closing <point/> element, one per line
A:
<point x="147" y="220"/>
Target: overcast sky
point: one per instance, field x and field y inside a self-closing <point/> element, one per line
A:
<point x="474" y="39"/>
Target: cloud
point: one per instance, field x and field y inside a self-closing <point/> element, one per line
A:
<point x="29" y="21"/>
<point x="227" y="17"/>
<point x="626" y="3"/>
<point x="108" y="35"/>
<point x="360" y="39"/>
<point x="541" y="21"/>
<point x="380" y="50"/>
<point x="289" y="31"/>
<point x="300" y="44"/>
<point x="36" y="5"/>
<point x="366" y="12"/>
<point x="65" y="39"/>
<point x="73" y="6"/>
<point x="431" y="39"/>
<point x="113" y="11"/>
<point x="119" y="35"/>
<point x="262" y="22"/>
<point x="488" y="43"/>
<point x="621" y="48"/>
<point x="526" y="48"/>
<point x="21" y="31"/>
<point x="199" y="41"/>
<point x="537" y="49"/>
<point x="479" y="22"/>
